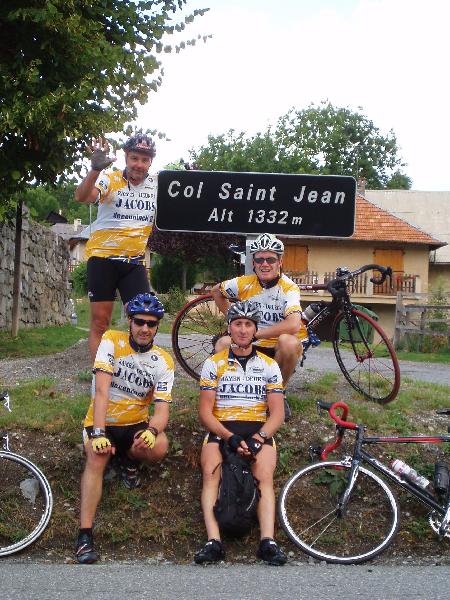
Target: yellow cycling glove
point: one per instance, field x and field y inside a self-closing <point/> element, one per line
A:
<point x="149" y="438"/>
<point x="99" y="440"/>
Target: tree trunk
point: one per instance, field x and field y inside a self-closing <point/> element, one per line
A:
<point x="17" y="270"/>
<point x="184" y="277"/>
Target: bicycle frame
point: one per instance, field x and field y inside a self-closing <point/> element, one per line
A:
<point x="360" y="455"/>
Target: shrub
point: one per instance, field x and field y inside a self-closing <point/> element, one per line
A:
<point x="174" y="300"/>
<point x="79" y="279"/>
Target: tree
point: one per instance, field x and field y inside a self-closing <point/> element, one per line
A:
<point x="45" y="198"/>
<point x="72" y="69"/>
<point x="192" y="248"/>
<point x="317" y="140"/>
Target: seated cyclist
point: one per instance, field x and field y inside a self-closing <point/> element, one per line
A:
<point x="237" y="414"/>
<point x="281" y="329"/>
<point x="130" y="374"/>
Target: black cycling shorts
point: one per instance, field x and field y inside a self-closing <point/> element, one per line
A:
<point x="121" y="436"/>
<point x="243" y="428"/>
<point x="106" y="276"/>
<point x="267" y="351"/>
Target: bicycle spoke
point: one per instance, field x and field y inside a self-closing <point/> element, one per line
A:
<point x="366" y="357"/>
<point x="308" y="513"/>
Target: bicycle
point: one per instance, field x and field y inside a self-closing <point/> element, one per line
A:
<point x="26" y="499"/>
<point x="363" y="351"/>
<point x="343" y="512"/>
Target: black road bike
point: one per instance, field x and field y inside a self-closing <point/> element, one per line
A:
<point x="343" y="511"/>
<point x="26" y="500"/>
<point x="362" y="349"/>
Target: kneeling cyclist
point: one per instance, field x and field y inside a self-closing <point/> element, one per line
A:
<point x="240" y="418"/>
<point x="130" y="374"/>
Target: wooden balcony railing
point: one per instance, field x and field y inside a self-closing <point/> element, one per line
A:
<point x="361" y="284"/>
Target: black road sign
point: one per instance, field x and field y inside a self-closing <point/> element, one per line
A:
<point x="252" y="203"/>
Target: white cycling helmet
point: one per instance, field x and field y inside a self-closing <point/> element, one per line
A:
<point x="244" y="310"/>
<point x="266" y="242"/>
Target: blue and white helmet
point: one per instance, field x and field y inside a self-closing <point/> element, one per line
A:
<point x="266" y="242"/>
<point x="145" y="304"/>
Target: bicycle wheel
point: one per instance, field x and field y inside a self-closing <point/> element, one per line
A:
<point x="25" y="503"/>
<point x="366" y="357"/>
<point x="194" y="333"/>
<point x="308" y="513"/>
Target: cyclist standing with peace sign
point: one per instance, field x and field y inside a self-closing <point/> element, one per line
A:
<point x="118" y="237"/>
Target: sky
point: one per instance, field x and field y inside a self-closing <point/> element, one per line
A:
<point x="388" y="59"/>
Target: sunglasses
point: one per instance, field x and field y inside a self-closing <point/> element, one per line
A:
<point x="270" y="260"/>
<point x="141" y="322"/>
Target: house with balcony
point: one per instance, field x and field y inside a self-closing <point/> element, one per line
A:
<point x="379" y="237"/>
<point x="430" y="211"/>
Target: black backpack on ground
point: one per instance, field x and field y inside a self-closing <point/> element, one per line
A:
<point x="235" y="508"/>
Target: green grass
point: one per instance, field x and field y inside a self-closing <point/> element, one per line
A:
<point x="39" y="341"/>
<point x="37" y="405"/>
<point x="437" y="357"/>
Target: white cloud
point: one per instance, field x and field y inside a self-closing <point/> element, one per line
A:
<point x="387" y="56"/>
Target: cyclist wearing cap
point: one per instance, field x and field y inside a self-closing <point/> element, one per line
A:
<point x="239" y="386"/>
<point x="130" y="374"/>
<point x="278" y="298"/>
<point x="118" y="237"/>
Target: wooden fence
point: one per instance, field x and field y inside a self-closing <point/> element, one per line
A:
<point x="416" y="318"/>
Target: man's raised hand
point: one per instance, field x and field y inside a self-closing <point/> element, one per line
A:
<point x="100" y="158"/>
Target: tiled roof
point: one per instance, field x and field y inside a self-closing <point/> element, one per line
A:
<point x="378" y="225"/>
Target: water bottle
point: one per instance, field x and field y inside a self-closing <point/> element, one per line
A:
<point x="401" y="468"/>
<point x="441" y="477"/>
<point x="311" y="311"/>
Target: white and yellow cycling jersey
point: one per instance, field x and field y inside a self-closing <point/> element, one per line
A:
<point x="275" y="303"/>
<point x="137" y="379"/>
<point x="125" y="218"/>
<point x="241" y="395"/>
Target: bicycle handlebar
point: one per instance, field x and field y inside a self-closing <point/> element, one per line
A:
<point x="337" y="287"/>
<point x="341" y="423"/>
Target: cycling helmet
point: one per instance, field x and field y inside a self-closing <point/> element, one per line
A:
<point x="266" y="242"/>
<point x="140" y="143"/>
<point x="145" y="304"/>
<point x="244" y="310"/>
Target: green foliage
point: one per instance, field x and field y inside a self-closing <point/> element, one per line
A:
<point x="218" y="268"/>
<point x="174" y="300"/>
<point x="167" y="272"/>
<point x="79" y="279"/>
<point x="320" y="139"/>
<point x="42" y="199"/>
<point x="399" y="181"/>
<point x="72" y="70"/>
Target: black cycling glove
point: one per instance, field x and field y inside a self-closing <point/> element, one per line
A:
<point x="235" y="441"/>
<point x="254" y="445"/>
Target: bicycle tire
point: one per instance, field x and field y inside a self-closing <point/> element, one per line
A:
<point x="26" y="503"/>
<point x="366" y="357"/>
<point x="195" y="330"/>
<point x="307" y="513"/>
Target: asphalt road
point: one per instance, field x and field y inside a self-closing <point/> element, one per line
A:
<point x="234" y="582"/>
<point x="322" y="359"/>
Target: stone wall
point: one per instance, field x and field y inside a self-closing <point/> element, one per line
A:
<point x="44" y="294"/>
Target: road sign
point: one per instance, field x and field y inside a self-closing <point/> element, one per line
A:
<point x="253" y="203"/>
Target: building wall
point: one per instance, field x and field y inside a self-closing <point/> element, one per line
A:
<point x="44" y="289"/>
